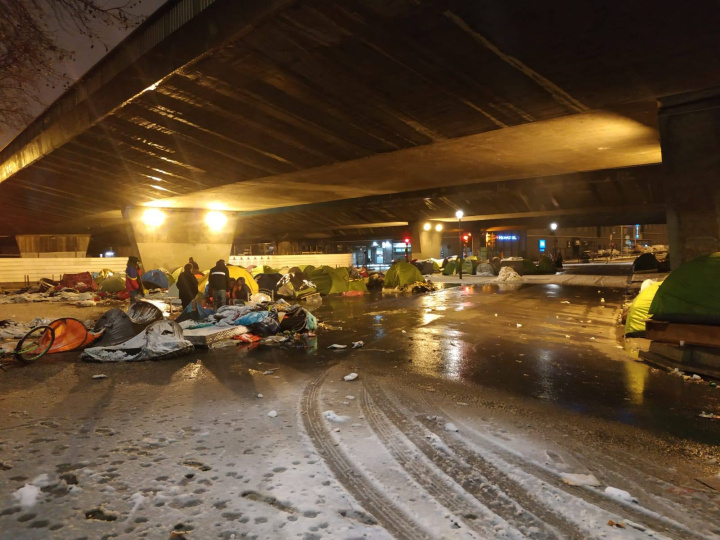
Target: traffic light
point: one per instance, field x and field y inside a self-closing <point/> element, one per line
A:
<point x="465" y="238"/>
<point x="407" y="241"/>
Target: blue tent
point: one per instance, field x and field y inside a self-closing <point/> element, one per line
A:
<point x="155" y="279"/>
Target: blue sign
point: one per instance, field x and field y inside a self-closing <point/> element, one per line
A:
<point x="541" y="245"/>
<point x="507" y="237"/>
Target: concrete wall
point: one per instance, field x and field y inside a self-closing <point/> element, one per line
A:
<point x="690" y="142"/>
<point x="182" y="235"/>
<point x="16" y="270"/>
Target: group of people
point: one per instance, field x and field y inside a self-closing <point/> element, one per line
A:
<point x="222" y="288"/>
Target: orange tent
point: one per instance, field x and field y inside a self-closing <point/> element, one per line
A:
<point x="70" y="335"/>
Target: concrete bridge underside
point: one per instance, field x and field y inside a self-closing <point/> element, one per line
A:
<point x="515" y="111"/>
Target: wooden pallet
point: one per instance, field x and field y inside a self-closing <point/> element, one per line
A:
<point x="692" y="334"/>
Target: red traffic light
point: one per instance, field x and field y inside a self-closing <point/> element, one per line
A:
<point x="407" y="240"/>
<point x="465" y="238"/>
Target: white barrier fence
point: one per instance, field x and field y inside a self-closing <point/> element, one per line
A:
<point x="30" y="270"/>
<point x="279" y="261"/>
<point x="22" y="270"/>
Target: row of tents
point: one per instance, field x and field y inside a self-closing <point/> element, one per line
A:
<point x="295" y="282"/>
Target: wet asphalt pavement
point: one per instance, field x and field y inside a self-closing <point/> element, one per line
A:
<point x="544" y="360"/>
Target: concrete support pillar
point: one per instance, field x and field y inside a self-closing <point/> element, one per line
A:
<point x="690" y="142"/>
<point x="181" y="235"/>
<point x="425" y="244"/>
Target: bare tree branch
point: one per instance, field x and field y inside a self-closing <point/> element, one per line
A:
<point x="31" y="58"/>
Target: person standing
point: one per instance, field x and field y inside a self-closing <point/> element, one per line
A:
<point x="132" y="279"/>
<point x="219" y="284"/>
<point x="195" y="266"/>
<point x="187" y="285"/>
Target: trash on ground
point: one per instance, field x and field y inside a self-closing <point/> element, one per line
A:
<point x="337" y="346"/>
<point x="565" y="302"/>
<point x="272" y="414"/>
<point x="580" y="479"/>
<point x="260" y="395"/>
<point x="100" y="376"/>
<point x="350" y="377"/>
<point x="357" y="344"/>
<point x="519" y="325"/>
<point x="709" y="415"/>
<point x="614" y="524"/>
<point x="620" y="494"/>
<point x="451" y="427"/>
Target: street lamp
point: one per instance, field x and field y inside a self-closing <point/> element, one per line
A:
<point x="459" y="215"/>
<point x="553" y="228"/>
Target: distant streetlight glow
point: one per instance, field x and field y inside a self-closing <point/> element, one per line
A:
<point x="459" y="214"/>
<point x="427" y="227"/>
<point x="439" y="227"/>
<point x="553" y="226"/>
<point x="215" y="220"/>
<point x="152" y="217"/>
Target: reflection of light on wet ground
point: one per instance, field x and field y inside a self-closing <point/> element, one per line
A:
<point x="453" y="356"/>
<point x="427" y="318"/>
<point x="545" y="371"/>
<point x="636" y="375"/>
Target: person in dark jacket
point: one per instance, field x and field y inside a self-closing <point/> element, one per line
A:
<point x="219" y="282"/>
<point x="241" y="292"/>
<point x="187" y="285"/>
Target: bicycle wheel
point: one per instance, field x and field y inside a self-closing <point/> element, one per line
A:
<point x="34" y="344"/>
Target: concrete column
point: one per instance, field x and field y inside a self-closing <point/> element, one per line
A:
<point x="690" y="142"/>
<point x="183" y="234"/>
<point x="425" y="244"/>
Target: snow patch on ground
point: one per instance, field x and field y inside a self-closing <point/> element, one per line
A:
<point x="580" y="479"/>
<point x="27" y="495"/>
<point x="333" y="417"/>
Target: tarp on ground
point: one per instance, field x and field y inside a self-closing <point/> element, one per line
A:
<point x="161" y="340"/>
<point x="638" y="311"/>
<point x="155" y="279"/>
<point x="450" y="268"/>
<point x="647" y="262"/>
<point x="82" y="282"/>
<point x="112" y="284"/>
<point x="71" y="335"/>
<point x="143" y="313"/>
<point x="116" y="327"/>
<point x="401" y="274"/>
<point x="236" y="272"/>
<point x="691" y="293"/>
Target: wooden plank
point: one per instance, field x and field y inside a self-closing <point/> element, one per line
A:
<point x="692" y="334"/>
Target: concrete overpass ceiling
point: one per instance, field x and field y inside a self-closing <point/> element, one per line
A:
<point x="321" y="101"/>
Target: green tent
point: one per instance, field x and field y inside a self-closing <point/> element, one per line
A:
<point x="402" y="273"/>
<point x="691" y="293"/>
<point x="112" y="284"/>
<point x="329" y="280"/>
<point x="469" y="264"/>
<point x="638" y="311"/>
<point x="546" y="265"/>
<point x="449" y="268"/>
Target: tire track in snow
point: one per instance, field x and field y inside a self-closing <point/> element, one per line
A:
<point x="389" y="516"/>
<point x="443" y="490"/>
<point x="648" y="518"/>
<point x="482" y="481"/>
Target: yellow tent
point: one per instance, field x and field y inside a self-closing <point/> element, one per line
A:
<point x="235" y="273"/>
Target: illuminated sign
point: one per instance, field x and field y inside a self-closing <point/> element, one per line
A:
<point x="541" y="245"/>
<point x="507" y="237"/>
